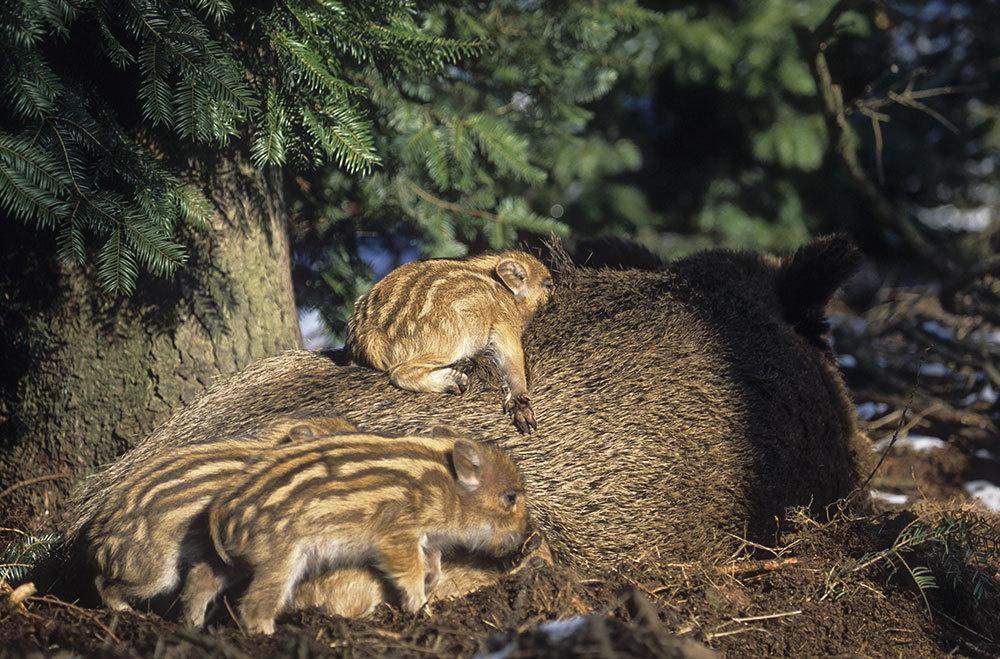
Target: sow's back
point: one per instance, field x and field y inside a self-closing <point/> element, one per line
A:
<point x="677" y="408"/>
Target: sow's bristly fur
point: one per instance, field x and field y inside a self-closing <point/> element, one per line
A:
<point x="677" y="408"/>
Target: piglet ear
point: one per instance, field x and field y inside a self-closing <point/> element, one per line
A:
<point x="443" y="431"/>
<point x="468" y="464"/>
<point x="301" y="432"/>
<point x="514" y="276"/>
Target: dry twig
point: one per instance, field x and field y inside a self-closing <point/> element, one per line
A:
<point x="48" y="599"/>
<point x="895" y="436"/>
<point x="747" y="567"/>
<point x="32" y="481"/>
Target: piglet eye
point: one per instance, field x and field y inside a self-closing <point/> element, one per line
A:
<point x="509" y="499"/>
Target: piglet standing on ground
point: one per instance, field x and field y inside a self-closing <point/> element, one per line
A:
<point x="357" y="499"/>
<point x="141" y="539"/>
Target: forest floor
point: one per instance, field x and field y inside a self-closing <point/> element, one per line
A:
<point x="918" y="577"/>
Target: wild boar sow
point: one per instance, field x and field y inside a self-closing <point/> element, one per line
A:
<point x="677" y="408"/>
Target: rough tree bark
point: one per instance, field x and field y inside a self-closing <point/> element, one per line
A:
<point x="88" y="375"/>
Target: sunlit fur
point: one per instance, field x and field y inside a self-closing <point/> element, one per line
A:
<point x="684" y="409"/>
<point x="358" y="499"/>
<point x="141" y="536"/>
<point x="424" y="317"/>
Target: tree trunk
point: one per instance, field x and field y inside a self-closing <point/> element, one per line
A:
<point x="89" y="375"/>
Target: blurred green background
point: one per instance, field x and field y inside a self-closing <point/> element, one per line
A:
<point x="409" y="129"/>
<point x="682" y="125"/>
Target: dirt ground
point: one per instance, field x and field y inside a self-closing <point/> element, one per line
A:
<point x="917" y="577"/>
<point x="808" y="597"/>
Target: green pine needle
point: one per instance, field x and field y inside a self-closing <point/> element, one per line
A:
<point x="18" y="558"/>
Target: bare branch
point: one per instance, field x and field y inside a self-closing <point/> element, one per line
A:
<point x="909" y="101"/>
<point x="813" y="47"/>
<point x="877" y="119"/>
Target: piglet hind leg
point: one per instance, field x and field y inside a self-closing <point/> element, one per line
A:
<point x="201" y="586"/>
<point x="429" y="373"/>
<point x="270" y="588"/>
<point x="112" y="594"/>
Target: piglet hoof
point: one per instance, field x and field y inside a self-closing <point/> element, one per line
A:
<point x="459" y="382"/>
<point x="519" y="408"/>
<point x="414" y="605"/>
<point x="265" y="627"/>
<point x="533" y="542"/>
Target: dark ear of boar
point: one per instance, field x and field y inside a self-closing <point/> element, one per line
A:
<point x="808" y="279"/>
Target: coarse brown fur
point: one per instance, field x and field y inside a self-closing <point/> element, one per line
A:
<point x="141" y="537"/>
<point x="683" y="411"/>
<point x="424" y="317"/>
<point x="350" y="499"/>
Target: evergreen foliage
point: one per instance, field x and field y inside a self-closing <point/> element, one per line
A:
<point x="201" y="73"/>
<point x="485" y="151"/>
<point x="18" y="558"/>
<point x="735" y="148"/>
<point x="953" y="544"/>
<point x="459" y="126"/>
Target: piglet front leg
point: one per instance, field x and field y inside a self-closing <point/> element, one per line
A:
<point x="402" y="560"/>
<point x="508" y="354"/>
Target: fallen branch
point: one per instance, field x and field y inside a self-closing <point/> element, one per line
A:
<point x="747" y="567"/>
<point x="937" y="410"/>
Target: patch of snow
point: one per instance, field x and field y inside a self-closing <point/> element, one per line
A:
<point x="986" y="336"/>
<point x="986" y="455"/>
<point x="987" y="394"/>
<point x="557" y="630"/>
<point x="988" y="493"/>
<point x="952" y="217"/>
<point x="922" y="443"/>
<point x="560" y="630"/>
<point x="919" y="443"/>
<point x="892" y="499"/>
<point x="868" y="411"/>
<point x="938" y="330"/>
<point x="313" y="330"/>
<point x="847" y="361"/>
<point x="935" y="370"/>
<point x="502" y="653"/>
